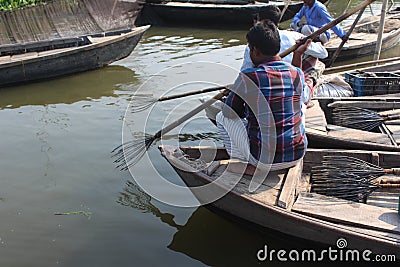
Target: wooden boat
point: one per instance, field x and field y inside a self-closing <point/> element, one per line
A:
<point x="72" y="55"/>
<point x="363" y="43"/>
<point x="284" y="203"/>
<point x="211" y="14"/>
<point x="322" y="133"/>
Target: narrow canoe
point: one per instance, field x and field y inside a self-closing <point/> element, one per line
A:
<point x="284" y="202"/>
<point x="83" y="54"/>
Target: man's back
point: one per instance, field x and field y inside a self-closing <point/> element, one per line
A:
<point x="282" y="86"/>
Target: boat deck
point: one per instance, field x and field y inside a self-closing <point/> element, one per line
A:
<point x="285" y="198"/>
<point x="316" y="123"/>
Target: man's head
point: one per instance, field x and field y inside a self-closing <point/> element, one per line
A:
<point x="309" y="3"/>
<point x="270" y="12"/>
<point x="264" y="41"/>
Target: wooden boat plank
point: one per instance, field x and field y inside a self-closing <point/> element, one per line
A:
<point x="267" y="192"/>
<point x="385" y="198"/>
<point x="348" y="133"/>
<point x="366" y="104"/>
<point x="395" y="129"/>
<point x="315" y="117"/>
<point x="287" y="194"/>
<point x="348" y="212"/>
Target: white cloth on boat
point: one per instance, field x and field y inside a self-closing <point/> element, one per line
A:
<point x="288" y="39"/>
<point x="234" y="135"/>
<point x="332" y="86"/>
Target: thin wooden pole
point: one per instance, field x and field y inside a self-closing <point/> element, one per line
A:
<point x="345" y="38"/>
<point x="361" y="64"/>
<point x="284" y="9"/>
<point x="381" y="29"/>
<point x="328" y="26"/>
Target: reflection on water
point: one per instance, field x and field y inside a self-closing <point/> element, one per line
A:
<point x="134" y="197"/>
<point x="83" y="86"/>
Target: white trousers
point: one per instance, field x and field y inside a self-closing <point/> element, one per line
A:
<point x="236" y="140"/>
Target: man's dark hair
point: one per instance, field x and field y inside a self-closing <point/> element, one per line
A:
<point x="270" y="12"/>
<point x="264" y="36"/>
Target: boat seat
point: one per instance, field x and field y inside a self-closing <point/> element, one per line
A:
<point x="21" y="48"/>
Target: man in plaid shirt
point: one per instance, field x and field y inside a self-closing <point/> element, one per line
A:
<point x="261" y="123"/>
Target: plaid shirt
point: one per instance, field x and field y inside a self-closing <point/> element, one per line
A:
<point x="282" y="86"/>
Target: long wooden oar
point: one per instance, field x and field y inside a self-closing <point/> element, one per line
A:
<point x="143" y="102"/>
<point x="129" y="153"/>
<point x="349" y="178"/>
<point x="360" y="118"/>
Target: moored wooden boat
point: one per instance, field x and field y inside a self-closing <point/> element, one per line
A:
<point x="284" y="203"/>
<point x="82" y="54"/>
<point x="212" y="14"/>
<point x="362" y="43"/>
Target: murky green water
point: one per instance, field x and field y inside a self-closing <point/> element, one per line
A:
<point x="56" y="138"/>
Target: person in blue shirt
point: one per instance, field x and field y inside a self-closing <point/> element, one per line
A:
<point x="316" y="16"/>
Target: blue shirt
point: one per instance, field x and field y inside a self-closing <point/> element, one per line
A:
<point x="282" y="85"/>
<point x="318" y="16"/>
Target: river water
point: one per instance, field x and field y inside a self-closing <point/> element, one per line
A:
<point x="56" y="138"/>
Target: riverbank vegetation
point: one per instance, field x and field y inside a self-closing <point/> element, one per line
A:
<point x="12" y="4"/>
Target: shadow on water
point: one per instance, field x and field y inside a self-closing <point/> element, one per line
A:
<point x="70" y="89"/>
<point x="220" y="240"/>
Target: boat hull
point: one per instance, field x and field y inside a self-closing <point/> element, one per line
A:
<point x="368" y="48"/>
<point x="281" y="220"/>
<point x="68" y="61"/>
<point x="209" y="14"/>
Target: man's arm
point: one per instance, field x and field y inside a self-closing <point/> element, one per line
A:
<point x="234" y="104"/>
<point x="326" y="18"/>
<point x="316" y="49"/>
<point x="297" y="18"/>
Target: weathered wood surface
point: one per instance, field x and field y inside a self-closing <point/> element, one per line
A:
<point x="315" y="117"/>
<point x="348" y="212"/>
<point x="395" y="129"/>
<point x="354" y="134"/>
<point x="367" y="104"/>
<point x="288" y="192"/>
<point x="268" y="191"/>
<point x="386" y="198"/>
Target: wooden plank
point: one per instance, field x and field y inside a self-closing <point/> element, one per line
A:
<point x="348" y="212"/>
<point x="286" y="197"/>
<point x="385" y="198"/>
<point x="267" y="192"/>
<point x="395" y="129"/>
<point x="354" y="134"/>
<point x="367" y="104"/>
<point x="315" y="117"/>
